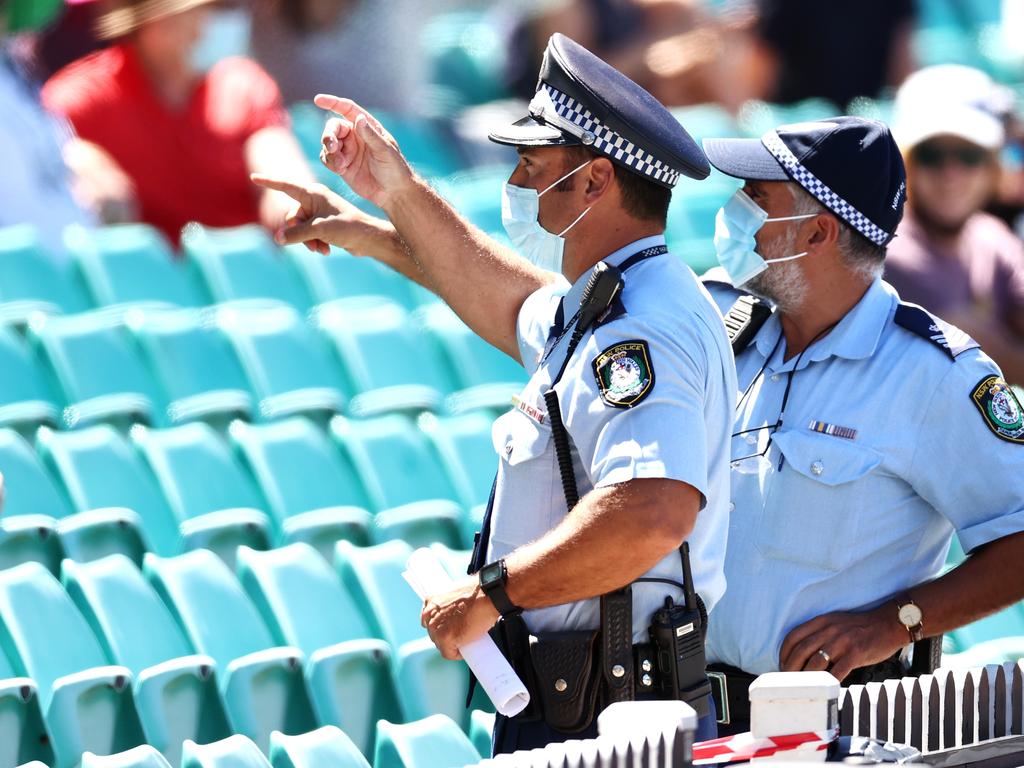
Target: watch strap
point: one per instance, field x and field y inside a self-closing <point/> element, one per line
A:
<point x="493" y="578"/>
<point x="916" y="631"/>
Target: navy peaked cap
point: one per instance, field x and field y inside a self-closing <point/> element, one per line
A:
<point x="850" y="164"/>
<point x="580" y="99"/>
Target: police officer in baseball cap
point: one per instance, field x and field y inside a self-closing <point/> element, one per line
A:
<point x="615" y="453"/>
<point x="867" y="432"/>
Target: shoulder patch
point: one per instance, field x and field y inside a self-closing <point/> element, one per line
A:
<point x="944" y="335"/>
<point x="1000" y="409"/>
<point x="624" y="373"/>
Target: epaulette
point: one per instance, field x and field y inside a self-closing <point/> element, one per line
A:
<point x="923" y="323"/>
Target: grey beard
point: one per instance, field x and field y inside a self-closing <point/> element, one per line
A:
<point x="782" y="284"/>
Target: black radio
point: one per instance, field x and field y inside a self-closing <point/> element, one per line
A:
<point x="677" y="632"/>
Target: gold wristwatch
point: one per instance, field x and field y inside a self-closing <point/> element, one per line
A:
<point x="910" y="616"/>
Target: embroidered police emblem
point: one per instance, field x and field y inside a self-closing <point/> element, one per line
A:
<point x="624" y="373"/>
<point x="1000" y="408"/>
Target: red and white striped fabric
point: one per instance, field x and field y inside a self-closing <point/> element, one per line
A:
<point x="744" y="747"/>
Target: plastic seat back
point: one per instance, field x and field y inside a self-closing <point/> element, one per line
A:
<point x="244" y="263"/>
<point x="93" y="357"/>
<point x="472" y="360"/>
<point x="43" y="629"/>
<point x="343" y="276"/>
<point x="394" y="459"/>
<point x="209" y="604"/>
<point x="233" y="752"/>
<point x="131" y="263"/>
<point x="144" y="756"/>
<point x="373" y="576"/>
<point x="464" y="445"/>
<point x="26" y="394"/>
<point x="196" y="470"/>
<point x="33" y="278"/>
<point x="433" y="742"/>
<point x="100" y="468"/>
<point x="134" y="627"/>
<point x="28" y="489"/>
<point x="327" y="746"/>
<point x="288" y="366"/>
<point x="300" y="597"/>
<point x="298" y="467"/>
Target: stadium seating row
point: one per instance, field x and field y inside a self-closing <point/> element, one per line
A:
<point x="93" y="491"/>
<point x="113" y="656"/>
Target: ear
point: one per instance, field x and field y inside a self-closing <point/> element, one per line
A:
<point x="824" y="231"/>
<point x="600" y="176"/>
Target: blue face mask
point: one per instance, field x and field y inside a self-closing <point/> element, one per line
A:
<point x="735" y="226"/>
<point x="520" y="208"/>
<point x="226" y="33"/>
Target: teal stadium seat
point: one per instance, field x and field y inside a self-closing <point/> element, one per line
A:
<point x="433" y="742"/>
<point x="24" y="737"/>
<point x="327" y="746"/>
<point x="132" y="265"/>
<point x="311" y="488"/>
<point x="343" y="276"/>
<point x="196" y="366"/>
<point x="262" y="683"/>
<point x="101" y="377"/>
<point x="481" y="731"/>
<point x="176" y="691"/>
<point x="102" y="471"/>
<point x="88" y="704"/>
<point x="1008" y="622"/>
<point x="403" y="478"/>
<point x="232" y="752"/>
<point x="464" y="444"/>
<point x="32" y="280"/>
<point x="486" y="376"/>
<point x="32" y="505"/>
<point x="145" y="756"/>
<point x="427" y="683"/>
<point x="27" y="398"/>
<point x="92" y="532"/>
<point x="476" y="194"/>
<point x="348" y="668"/>
<point x="243" y="264"/>
<point x="391" y="365"/>
<point x="207" y="488"/>
<point x="465" y="60"/>
<point x="426" y="143"/>
<point x="289" y="367"/>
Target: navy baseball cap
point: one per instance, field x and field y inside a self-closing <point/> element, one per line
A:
<point x="580" y="99"/>
<point x="852" y="166"/>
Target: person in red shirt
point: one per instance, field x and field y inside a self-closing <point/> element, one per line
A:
<point x="185" y="137"/>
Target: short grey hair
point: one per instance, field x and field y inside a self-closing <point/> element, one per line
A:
<point x="862" y="257"/>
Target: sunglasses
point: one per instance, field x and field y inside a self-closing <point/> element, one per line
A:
<point x="932" y="156"/>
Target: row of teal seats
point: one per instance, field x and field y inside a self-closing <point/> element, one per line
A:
<point x="113" y="656"/>
<point x="90" y="492"/>
<point x="255" y="361"/>
<point x="433" y="742"/>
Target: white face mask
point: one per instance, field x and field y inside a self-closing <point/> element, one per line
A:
<point x="520" y="208"/>
<point x="735" y="226"/>
<point x="227" y="33"/>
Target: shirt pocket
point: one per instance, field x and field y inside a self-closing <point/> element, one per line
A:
<point x="813" y="510"/>
<point x="517" y="438"/>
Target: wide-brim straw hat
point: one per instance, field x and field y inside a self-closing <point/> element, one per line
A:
<point x="128" y="15"/>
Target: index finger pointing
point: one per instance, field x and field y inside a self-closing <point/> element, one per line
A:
<point x="336" y="104"/>
<point x="294" y="191"/>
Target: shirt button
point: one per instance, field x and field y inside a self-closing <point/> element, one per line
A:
<point x="732" y="507"/>
<point x="817" y="468"/>
<point x="775" y="378"/>
<point x="508" y="449"/>
<point x="751" y="438"/>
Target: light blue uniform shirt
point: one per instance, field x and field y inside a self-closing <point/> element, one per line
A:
<point x="680" y="430"/>
<point x="844" y="518"/>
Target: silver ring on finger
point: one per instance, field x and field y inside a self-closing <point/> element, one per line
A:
<point x="824" y="654"/>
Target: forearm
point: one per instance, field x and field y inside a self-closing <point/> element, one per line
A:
<point x="584" y="555"/>
<point x="986" y="582"/>
<point x="484" y="282"/>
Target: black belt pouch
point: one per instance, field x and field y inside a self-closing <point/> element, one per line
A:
<point x="568" y="677"/>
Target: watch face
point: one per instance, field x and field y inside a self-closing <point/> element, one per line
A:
<point x="910" y="615"/>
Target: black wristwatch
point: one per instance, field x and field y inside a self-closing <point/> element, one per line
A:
<point x="493" y="578"/>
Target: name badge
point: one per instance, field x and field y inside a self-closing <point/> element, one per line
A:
<point x="532" y="411"/>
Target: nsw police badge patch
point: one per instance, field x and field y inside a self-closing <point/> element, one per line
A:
<point x="624" y="373"/>
<point x="1000" y="408"/>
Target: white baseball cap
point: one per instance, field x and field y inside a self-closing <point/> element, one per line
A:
<point x="950" y="99"/>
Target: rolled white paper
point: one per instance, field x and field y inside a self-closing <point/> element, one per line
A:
<point x="427" y="576"/>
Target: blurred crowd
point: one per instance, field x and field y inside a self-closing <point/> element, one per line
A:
<point x="158" y="110"/>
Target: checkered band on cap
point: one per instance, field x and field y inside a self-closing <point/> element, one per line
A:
<point x="822" y="192"/>
<point x="579" y="121"/>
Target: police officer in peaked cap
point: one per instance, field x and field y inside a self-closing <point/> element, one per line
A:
<point x="867" y="430"/>
<point x="631" y="384"/>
